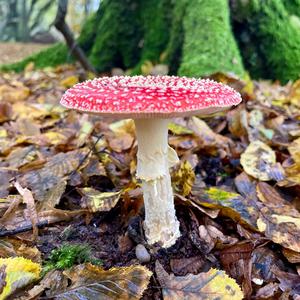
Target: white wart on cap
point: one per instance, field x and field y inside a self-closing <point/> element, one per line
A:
<point x="150" y="97"/>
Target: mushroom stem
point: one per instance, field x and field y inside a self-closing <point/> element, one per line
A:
<point x="154" y="158"/>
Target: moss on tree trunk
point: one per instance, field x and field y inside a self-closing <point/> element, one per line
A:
<point x="269" y="38"/>
<point x="194" y="37"/>
<point x="209" y="45"/>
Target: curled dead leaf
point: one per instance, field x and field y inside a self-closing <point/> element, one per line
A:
<point x="97" y="201"/>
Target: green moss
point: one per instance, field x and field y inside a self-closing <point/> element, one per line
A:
<point x="279" y="39"/>
<point x="156" y="21"/>
<point x="292" y="6"/>
<point x="118" y="35"/>
<point x="271" y="48"/>
<point x="69" y="255"/>
<point x="53" y="56"/>
<point x="88" y="33"/>
<point x="174" y="46"/>
<point x="209" y="45"/>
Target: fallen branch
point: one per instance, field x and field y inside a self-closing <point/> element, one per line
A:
<point x="63" y="27"/>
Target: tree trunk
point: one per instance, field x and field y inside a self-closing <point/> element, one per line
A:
<point x="269" y="37"/>
<point x="196" y="37"/>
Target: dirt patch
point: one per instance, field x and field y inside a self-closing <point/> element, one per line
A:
<point x="12" y="52"/>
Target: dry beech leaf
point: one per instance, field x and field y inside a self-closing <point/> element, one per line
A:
<point x="233" y="205"/>
<point x="10" y="247"/>
<point x="281" y="225"/>
<point x="267" y="291"/>
<point x="212" y="285"/>
<point x="293" y="170"/>
<point x="19" y="272"/>
<point x="85" y="131"/>
<point x="121" y="142"/>
<point x="14" y="93"/>
<point x="97" y="201"/>
<point x="183" y="178"/>
<point x="258" y="160"/>
<point x="269" y="195"/>
<point x="30" y="212"/>
<point x="53" y="282"/>
<point x="208" y="138"/>
<point x="69" y="81"/>
<point x="183" y="266"/>
<point x="292" y="256"/>
<point x="52" y="197"/>
<point x="279" y="220"/>
<point x="93" y="282"/>
<point x="289" y="282"/>
<point x="58" y="168"/>
<point x="234" y="122"/>
<point x="21" y="156"/>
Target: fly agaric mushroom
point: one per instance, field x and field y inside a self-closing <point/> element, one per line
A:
<point x="151" y="101"/>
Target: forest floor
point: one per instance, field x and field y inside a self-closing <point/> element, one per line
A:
<point x="71" y="205"/>
<point x="11" y="52"/>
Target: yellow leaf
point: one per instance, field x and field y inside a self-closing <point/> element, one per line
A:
<point x="55" y="138"/>
<point x="19" y="272"/>
<point x="97" y="201"/>
<point x="14" y="93"/>
<point x="183" y="178"/>
<point x="69" y="81"/>
<point x="292" y="171"/>
<point x="294" y="150"/>
<point x="29" y="67"/>
<point x="258" y="160"/>
<point x="178" y="129"/>
<point x="214" y="284"/>
<point x="85" y="130"/>
<point x="147" y="67"/>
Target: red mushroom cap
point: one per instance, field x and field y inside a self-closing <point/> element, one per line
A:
<point x="150" y="97"/>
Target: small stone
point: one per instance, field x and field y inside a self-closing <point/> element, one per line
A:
<point x="117" y="72"/>
<point x="142" y="254"/>
<point x="160" y="70"/>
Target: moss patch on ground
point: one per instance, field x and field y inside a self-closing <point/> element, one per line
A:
<point x="69" y="255"/>
<point x="209" y="45"/>
<point x="56" y="55"/>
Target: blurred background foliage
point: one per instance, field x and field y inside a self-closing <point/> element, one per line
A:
<point x="192" y="38"/>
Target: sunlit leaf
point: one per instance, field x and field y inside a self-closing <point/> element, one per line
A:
<point x="214" y="284"/>
<point x="183" y="178"/>
<point x="19" y="272"/>
<point x="14" y="93"/>
<point x="258" y="160"/>
<point x="231" y="204"/>
<point x="178" y="129"/>
<point x="69" y="81"/>
<point x="97" y="201"/>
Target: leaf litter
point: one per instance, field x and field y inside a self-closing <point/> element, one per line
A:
<point x="67" y="179"/>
